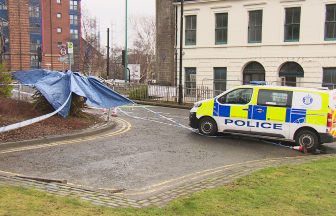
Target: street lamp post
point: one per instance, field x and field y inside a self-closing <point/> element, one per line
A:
<point x="126" y="40"/>
<point x="180" y="99"/>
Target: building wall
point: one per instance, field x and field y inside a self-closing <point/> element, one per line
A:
<point x="19" y="55"/>
<point x="312" y="52"/>
<point x="26" y="32"/>
<point x="165" y="42"/>
<point x="51" y="37"/>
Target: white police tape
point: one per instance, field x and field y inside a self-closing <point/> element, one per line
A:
<point x="146" y="119"/>
<point x="34" y="120"/>
<point x="23" y="93"/>
<point x="17" y="85"/>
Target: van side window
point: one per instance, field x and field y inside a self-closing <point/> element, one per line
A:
<point x="275" y="98"/>
<point x="239" y="96"/>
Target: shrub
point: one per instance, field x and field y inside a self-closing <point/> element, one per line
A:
<point x="139" y="93"/>
<point x="5" y="80"/>
<point x="77" y="104"/>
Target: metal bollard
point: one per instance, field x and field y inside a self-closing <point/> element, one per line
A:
<point x="108" y="114"/>
<point x="19" y="92"/>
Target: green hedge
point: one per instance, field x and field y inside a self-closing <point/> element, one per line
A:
<point x="139" y="93"/>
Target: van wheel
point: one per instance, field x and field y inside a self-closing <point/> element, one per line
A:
<point x="208" y="126"/>
<point x="309" y="139"/>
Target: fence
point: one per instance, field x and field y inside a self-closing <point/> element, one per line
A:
<point x="163" y="93"/>
<point x="22" y="92"/>
<point x="190" y="94"/>
<point x="194" y="93"/>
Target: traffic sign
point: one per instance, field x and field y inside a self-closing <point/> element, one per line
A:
<point x="63" y="51"/>
<point x="70" y="48"/>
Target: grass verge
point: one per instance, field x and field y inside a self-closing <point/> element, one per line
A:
<point x="308" y="189"/>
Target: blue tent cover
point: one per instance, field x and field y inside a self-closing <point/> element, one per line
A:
<point x="57" y="86"/>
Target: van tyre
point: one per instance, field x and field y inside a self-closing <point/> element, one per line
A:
<point x="208" y="126"/>
<point x="308" y="139"/>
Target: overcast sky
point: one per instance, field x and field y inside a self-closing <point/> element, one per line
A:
<point x="111" y="13"/>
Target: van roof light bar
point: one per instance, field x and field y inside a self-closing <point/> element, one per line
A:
<point x="260" y="83"/>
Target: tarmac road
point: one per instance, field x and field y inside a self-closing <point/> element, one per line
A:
<point x="150" y="153"/>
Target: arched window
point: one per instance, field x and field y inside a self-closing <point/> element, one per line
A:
<point x="289" y="71"/>
<point x="253" y="71"/>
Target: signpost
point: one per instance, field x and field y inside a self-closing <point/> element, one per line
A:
<point x="66" y="54"/>
<point x="63" y="51"/>
<point x="70" y="53"/>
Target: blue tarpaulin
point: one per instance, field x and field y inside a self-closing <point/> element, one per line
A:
<point x="57" y="86"/>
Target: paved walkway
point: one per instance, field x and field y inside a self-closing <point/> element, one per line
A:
<point x="159" y="194"/>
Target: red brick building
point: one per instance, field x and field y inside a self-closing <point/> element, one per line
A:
<point x="29" y="25"/>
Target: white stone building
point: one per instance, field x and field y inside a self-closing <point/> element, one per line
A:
<point x="289" y="42"/>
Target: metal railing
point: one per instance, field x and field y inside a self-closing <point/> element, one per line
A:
<point x="195" y="93"/>
<point x="170" y="93"/>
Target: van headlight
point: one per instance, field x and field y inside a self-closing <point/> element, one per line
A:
<point x="198" y="104"/>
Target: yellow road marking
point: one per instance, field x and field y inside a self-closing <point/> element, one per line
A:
<point x="9" y="173"/>
<point x="126" y="126"/>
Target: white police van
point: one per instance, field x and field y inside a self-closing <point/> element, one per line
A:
<point x="302" y="115"/>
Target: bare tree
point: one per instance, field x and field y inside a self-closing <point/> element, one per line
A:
<point x="116" y="63"/>
<point x="92" y="56"/>
<point x="143" y="51"/>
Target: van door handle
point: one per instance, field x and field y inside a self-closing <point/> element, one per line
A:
<point x="260" y="110"/>
<point x="247" y="109"/>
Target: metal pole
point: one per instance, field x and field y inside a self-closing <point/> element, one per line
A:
<point x="51" y="36"/>
<point x="69" y="56"/>
<point x="176" y="52"/>
<point x="126" y="35"/>
<point x="20" y="33"/>
<point x="180" y="99"/>
<point x="108" y="54"/>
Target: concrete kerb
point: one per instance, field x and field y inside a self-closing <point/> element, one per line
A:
<point x="160" y="199"/>
<point x="101" y="128"/>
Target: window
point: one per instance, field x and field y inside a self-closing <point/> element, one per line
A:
<point x="59" y="30"/>
<point x="254" y="71"/>
<point x="34" y="44"/>
<point x="190" y="32"/>
<point x="190" y="82"/>
<point x="34" y="61"/>
<point x="292" y="24"/>
<point x="275" y="98"/>
<point x="221" y="28"/>
<point x="289" y="71"/>
<point x="73" y="34"/>
<point x="59" y="15"/>
<point x="73" y="5"/>
<point x="3" y="6"/>
<point x="34" y="11"/>
<point x="219" y="80"/>
<point x="330" y="23"/>
<point x="58" y="1"/>
<point x="255" y="26"/>
<point x="3" y="23"/>
<point x="59" y="43"/>
<point x="237" y="96"/>
<point x="329" y="78"/>
<point x="34" y="27"/>
<point x="73" y="19"/>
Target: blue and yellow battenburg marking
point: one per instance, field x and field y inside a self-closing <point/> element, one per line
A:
<point x="263" y="113"/>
